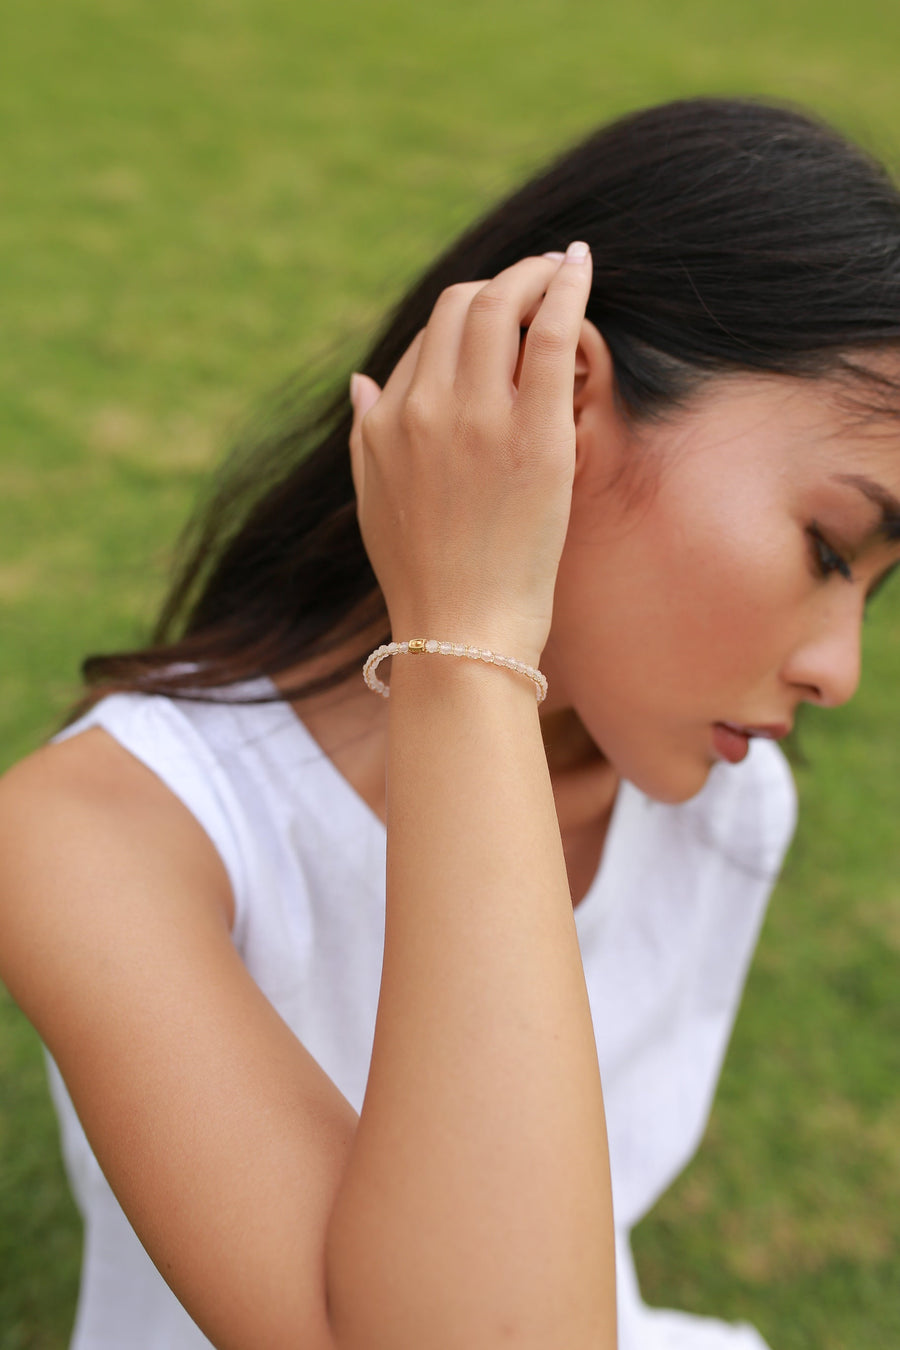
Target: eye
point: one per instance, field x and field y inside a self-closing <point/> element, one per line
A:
<point x="827" y="559"/>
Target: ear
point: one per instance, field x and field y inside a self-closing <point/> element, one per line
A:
<point x="593" y="368"/>
<point x="599" y="425"/>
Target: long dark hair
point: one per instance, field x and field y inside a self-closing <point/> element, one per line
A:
<point x="727" y="235"/>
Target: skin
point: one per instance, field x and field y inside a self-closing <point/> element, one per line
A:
<point x="706" y="599"/>
<point x="690" y="593"/>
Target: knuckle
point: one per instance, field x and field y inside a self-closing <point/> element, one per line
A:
<point x="488" y="301"/>
<point x="415" y="415"/>
<point x="457" y="294"/>
<point x="369" y="425"/>
<point x="474" y="423"/>
<point x="549" y="336"/>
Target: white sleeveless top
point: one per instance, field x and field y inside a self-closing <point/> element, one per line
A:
<point x="667" y="931"/>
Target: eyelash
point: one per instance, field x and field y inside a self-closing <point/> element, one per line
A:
<point x="826" y="558"/>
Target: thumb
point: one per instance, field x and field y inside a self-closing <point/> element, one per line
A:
<point x="364" y="394"/>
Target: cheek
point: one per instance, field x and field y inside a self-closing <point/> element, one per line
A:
<point x="687" y="596"/>
<point x="717" y="592"/>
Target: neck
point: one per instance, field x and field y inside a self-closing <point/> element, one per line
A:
<point x="350" y="725"/>
<point x="584" y="782"/>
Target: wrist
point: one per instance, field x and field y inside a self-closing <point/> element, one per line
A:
<point x="521" y="641"/>
<point x="440" y="655"/>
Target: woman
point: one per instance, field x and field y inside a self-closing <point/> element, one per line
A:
<point x="661" y="473"/>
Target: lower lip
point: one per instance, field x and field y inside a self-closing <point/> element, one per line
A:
<point x="730" y="745"/>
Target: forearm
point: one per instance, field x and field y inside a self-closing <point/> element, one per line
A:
<point x="475" y="1209"/>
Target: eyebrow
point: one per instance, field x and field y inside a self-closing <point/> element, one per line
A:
<point x="875" y="493"/>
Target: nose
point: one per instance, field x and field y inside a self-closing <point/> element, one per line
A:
<point x="826" y="666"/>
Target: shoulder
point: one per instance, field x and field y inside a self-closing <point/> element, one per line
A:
<point x="86" y="827"/>
<point x="747" y="813"/>
<point x="114" y="942"/>
<point x="197" y="761"/>
<point x="769" y="781"/>
<point x="92" y="781"/>
<point x="765" y="775"/>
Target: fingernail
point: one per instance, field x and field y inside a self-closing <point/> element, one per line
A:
<point x="577" y="252"/>
<point x="354" y="388"/>
<point x="557" y="257"/>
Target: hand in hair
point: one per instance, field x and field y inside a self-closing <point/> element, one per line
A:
<point x="463" y="478"/>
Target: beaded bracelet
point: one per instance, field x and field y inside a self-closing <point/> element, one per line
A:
<point x="447" y="649"/>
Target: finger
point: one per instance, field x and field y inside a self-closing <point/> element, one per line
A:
<point x="547" y="374"/>
<point x="364" y="394"/>
<point x="397" y="385"/>
<point x="490" y="345"/>
<point x="385" y="407"/>
<point x="439" y="357"/>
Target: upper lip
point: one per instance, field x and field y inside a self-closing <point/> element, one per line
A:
<point x="774" y="731"/>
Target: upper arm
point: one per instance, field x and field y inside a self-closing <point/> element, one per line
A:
<point x="223" y="1139"/>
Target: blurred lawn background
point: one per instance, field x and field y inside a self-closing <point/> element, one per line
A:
<point x="198" y="197"/>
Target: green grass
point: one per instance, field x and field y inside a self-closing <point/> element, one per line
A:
<point x="196" y="198"/>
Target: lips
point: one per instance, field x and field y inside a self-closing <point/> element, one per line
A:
<point x="776" y="732"/>
<point x="732" y="740"/>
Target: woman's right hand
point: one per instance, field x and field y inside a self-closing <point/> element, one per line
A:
<point x="463" y="464"/>
<point x="475" y="1205"/>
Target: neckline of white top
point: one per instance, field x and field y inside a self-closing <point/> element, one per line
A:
<point x="601" y="892"/>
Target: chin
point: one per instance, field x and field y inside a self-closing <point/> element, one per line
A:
<point x="671" y="784"/>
